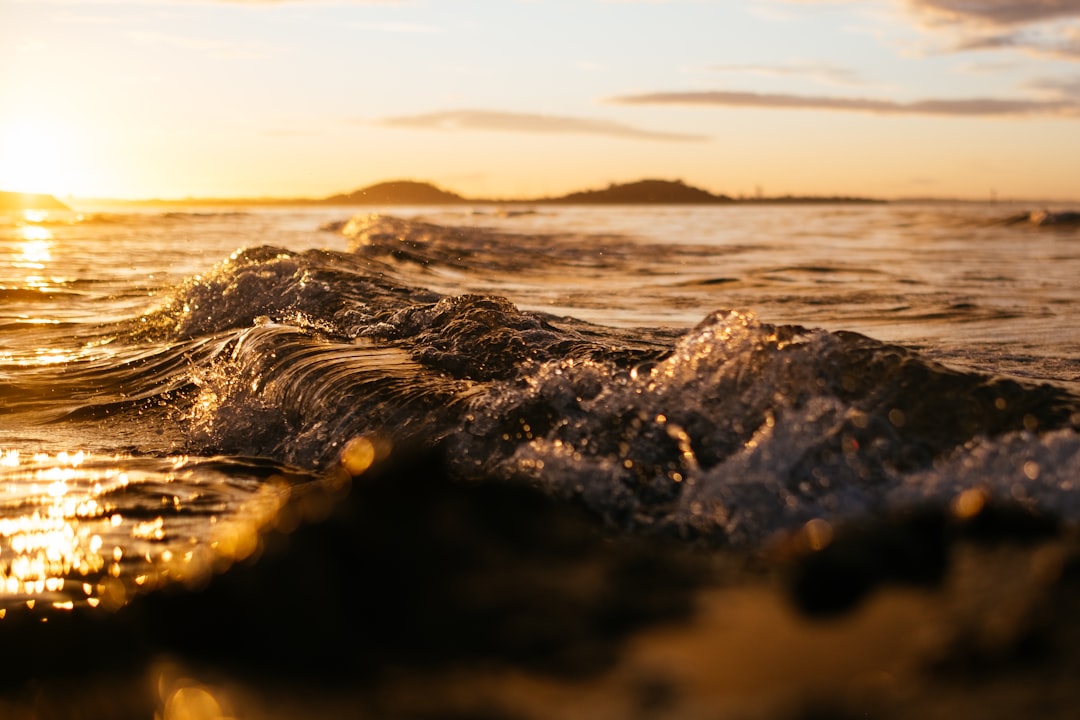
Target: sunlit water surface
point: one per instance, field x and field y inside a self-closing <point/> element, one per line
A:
<point x="93" y="510"/>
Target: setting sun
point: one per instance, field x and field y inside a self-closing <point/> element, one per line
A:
<point x="35" y="156"/>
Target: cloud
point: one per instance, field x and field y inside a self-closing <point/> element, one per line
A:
<point x="1063" y="87"/>
<point x="1058" y="42"/>
<point x="1039" y="27"/>
<point x="971" y="107"/>
<point x="400" y="28"/>
<point x="997" y="12"/>
<point x="288" y="2"/>
<point x="529" y="123"/>
<point x="988" y="67"/>
<point x="1046" y="28"/>
<point x="214" y="48"/>
<point x="83" y="19"/>
<point x="224" y="2"/>
<point x="819" y="71"/>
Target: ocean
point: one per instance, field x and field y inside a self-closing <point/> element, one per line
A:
<point x="485" y="461"/>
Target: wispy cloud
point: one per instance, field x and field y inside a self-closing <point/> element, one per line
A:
<point x="1062" y="43"/>
<point x="988" y="67"/>
<point x="401" y="28"/>
<point x="529" y="123"/>
<point x="818" y="71"/>
<point x="970" y="107"/>
<point x="286" y="2"/>
<point x="1049" y="28"/>
<point x="84" y="19"/>
<point x="997" y="12"/>
<point x="214" y="48"/>
<point x="284" y="133"/>
<point x="1063" y="87"/>
<point x="1041" y="27"/>
<point x="222" y="2"/>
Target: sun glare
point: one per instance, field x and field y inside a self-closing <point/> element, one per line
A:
<point x="35" y="157"/>
<point x="35" y="251"/>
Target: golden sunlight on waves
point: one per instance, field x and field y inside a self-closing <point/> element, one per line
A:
<point x="29" y="254"/>
<point x="80" y="530"/>
<point x="35" y="248"/>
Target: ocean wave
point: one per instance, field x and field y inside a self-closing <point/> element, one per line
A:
<point x="379" y="475"/>
<point x="493" y="255"/>
<point x="1062" y="219"/>
<point x="745" y="428"/>
<point x="730" y="431"/>
<point x="37" y="295"/>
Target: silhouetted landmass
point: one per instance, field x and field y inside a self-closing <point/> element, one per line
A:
<point x="398" y="192"/>
<point x="642" y="192"/>
<point x="29" y="201"/>
<point x="412" y="192"/>
<point x="810" y="199"/>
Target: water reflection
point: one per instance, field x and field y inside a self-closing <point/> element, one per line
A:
<point x="29" y="250"/>
<point x="35" y="216"/>
<point x="83" y="530"/>
<point x="35" y="247"/>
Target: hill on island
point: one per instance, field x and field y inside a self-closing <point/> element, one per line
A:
<point x="643" y="191"/>
<point x="29" y="201"/>
<point x="397" y="192"/>
<point x="413" y="192"/>
<point x="410" y="192"/>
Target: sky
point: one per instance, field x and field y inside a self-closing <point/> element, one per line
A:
<point x="523" y="98"/>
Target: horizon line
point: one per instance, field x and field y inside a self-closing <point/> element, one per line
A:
<point x="991" y="197"/>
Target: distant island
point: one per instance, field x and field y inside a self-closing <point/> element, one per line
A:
<point x="399" y="192"/>
<point x="412" y="192"/>
<point x="13" y="201"/>
<point x="665" y="192"/>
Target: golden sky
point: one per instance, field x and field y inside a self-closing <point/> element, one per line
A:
<point x="504" y="98"/>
